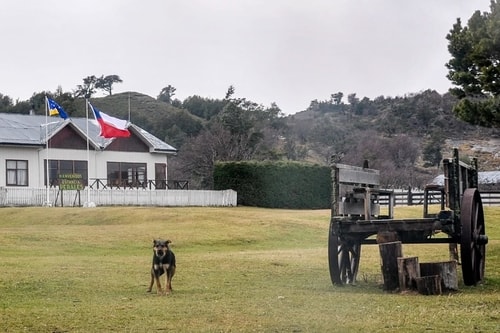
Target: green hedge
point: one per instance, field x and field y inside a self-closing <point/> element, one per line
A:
<point x="276" y="184"/>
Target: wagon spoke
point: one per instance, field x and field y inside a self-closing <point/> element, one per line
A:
<point x="343" y="258"/>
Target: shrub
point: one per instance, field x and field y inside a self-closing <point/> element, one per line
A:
<point x="276" y="184"/>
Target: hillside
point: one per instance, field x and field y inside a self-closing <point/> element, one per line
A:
<point x="426" y="119"/>
<point x="381" y="130"/>
<point x="486" y="149"/>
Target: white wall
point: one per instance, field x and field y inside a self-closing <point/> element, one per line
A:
<point x="97" y="161"/>
<point x="20" y="153"/>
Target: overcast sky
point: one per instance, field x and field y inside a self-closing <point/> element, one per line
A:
<point x="285" y="51"/>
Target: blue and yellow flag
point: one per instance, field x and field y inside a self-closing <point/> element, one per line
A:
<point x="55" y="109"/>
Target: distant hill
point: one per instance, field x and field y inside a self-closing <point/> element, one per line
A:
<point x="427" y="118"/>
<point x="405" y="137"/>
<point x="326" y="128"/>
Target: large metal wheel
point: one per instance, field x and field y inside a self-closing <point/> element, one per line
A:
<point x="343" y="258"/>
<point x="473" y="239"/>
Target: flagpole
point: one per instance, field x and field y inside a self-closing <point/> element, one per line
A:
<point x="129" y="107"/>
<point x="88" y="152"/>
<point x="47" y="149"/>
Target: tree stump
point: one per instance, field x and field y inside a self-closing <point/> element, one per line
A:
<point x="447" y="270"/>
<point x="429" y="285"/>
<point x="390" y="252"/>
<point x="408" y="271"/>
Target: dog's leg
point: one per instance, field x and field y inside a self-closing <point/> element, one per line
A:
<point x="156" y="273"/>
<point x="166" y="268"/>
<point x="152" y="281"/>
<point x="170" y="275"/>
<point x="159" y="290"/>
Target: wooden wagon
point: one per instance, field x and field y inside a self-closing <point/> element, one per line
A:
<point x="356" y="218"/>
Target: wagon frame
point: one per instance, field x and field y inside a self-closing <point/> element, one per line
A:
<point x="356" y="218"/>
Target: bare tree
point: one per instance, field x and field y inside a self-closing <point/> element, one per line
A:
<point x="395" y="158"/>
<point x="198" y="155"/>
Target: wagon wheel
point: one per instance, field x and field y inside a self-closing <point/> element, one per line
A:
<point x="473" y="239"/>
<point x="343" y="258"/>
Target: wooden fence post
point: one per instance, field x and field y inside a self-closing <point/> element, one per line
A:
<point x="409" y="197"/>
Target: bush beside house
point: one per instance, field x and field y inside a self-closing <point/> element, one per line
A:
<point x="276" y="184"/>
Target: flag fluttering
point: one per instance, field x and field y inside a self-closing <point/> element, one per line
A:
<point x="111" y="127"/>
<point x="56" y="110"/>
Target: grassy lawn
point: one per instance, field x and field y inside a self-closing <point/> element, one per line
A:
<point x="238" y="270"/>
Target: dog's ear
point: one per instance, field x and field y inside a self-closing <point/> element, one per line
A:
<point x="169" y="241"/>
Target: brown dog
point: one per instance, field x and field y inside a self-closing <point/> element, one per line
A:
<point x="163" y="263"/>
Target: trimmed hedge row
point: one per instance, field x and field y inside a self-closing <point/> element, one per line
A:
<point x="276" y="184"/>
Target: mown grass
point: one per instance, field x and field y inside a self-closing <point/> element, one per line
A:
<point x="239" y="270"/>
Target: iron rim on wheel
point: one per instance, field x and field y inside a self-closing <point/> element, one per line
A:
<point x="473" y="238"/>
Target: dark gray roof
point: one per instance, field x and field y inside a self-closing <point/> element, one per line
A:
<point x="32" y="130"/>
<point x="484" y="177"/>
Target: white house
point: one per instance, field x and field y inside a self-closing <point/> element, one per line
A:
<point x="28" y="142"/>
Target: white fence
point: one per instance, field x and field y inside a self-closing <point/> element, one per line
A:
<point x="15" y="196"/>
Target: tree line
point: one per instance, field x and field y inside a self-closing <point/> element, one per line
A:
<point x="403" y="136"/>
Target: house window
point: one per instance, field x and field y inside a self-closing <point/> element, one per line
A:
<point x="58" y="167"/>
<point x="17" y="173"/>
<point x="124" y="174"/>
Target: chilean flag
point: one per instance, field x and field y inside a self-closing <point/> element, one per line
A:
<point x="111" y="127"/>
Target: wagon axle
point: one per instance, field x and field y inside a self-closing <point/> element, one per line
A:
<point x="481" y="240"/>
